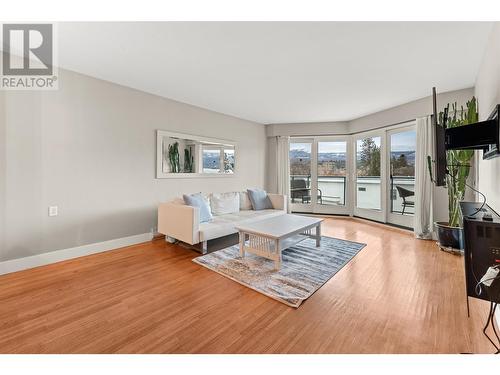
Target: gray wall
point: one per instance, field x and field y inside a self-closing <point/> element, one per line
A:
<point x="409" y="111"/>
<point x="310" y="128"/>
<point x="89" y="148"/>
<point x="488" y="94"/>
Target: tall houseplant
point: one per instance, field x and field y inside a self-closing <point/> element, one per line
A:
<point x="458" y="165"/>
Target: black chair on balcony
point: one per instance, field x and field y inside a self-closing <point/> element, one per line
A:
<point x="299" y="190"/>
<point x="405" y="194"/>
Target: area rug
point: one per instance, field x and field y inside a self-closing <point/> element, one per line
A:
<point x="305" y="268"/>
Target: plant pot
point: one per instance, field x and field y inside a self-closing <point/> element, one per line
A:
<point x="449" y="236"/>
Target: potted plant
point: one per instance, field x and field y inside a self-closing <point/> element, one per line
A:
<point x="450" y="234"/>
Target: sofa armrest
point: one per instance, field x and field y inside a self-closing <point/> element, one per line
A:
<point x="279" y="201"/>
<point x="179" y="221"/>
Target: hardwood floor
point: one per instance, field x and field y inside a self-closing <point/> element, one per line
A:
<point x="398" y="295"/>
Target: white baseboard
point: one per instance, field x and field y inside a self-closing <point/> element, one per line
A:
<point x="20" y="264"/>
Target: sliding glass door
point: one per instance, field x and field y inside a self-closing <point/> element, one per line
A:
<point x="402" y="144"/>
<point x="319" y="175"/>
<point x="369" y="175"/>
<point x="301" y="175"/>
<point x="332" y="166"/>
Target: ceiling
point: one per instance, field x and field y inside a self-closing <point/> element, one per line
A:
<point x="280" y="72"/>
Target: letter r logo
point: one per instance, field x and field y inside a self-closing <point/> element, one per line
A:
<point x="28" y="49"/>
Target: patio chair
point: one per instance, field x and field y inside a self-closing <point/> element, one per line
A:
<point x="299" y="190"/>
<point x="405" y="194"/>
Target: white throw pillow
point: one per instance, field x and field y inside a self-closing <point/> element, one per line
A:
<point x="245" y="203"/>
<point x="225" y="203"/>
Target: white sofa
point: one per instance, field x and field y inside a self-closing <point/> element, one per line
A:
<point x="182" y="222"/>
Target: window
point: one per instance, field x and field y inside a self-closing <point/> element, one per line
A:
<point x="402" y="171"/>
<point x="368" y="173"/>
<point x="218" y="159"/>
<point x="332" y="157"/>
<point x="229" y="160"/>
<point x="300" y="172"/>
<point x="211" y="160"/>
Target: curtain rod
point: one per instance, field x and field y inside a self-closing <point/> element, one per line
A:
<point x="353" y="133"/>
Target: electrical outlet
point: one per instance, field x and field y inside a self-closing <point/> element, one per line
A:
<point x="53" y="211"/>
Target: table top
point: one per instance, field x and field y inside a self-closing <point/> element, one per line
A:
<point x="280" y="226"/>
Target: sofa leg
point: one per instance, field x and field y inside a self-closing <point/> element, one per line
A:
<point x="204" y="247"/>
<point x="170" y="239"/>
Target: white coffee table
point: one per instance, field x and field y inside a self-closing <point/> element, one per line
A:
<point x="269" y="237"/>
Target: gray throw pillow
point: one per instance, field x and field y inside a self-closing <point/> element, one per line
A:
<point x="197" y="200"/>
<point x="259" y="199"/>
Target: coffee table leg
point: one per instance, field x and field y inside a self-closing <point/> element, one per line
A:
<point x="242" y="244"/>
<point x="277" y="262"/>
<point x="318" y="235"/>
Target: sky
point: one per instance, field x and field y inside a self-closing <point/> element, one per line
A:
<point x="323" y="147"/>
<point x="405" y="141"/>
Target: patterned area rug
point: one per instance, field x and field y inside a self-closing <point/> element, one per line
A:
<point x="305" y="268"/>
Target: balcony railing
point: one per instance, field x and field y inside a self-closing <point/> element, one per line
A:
<point x="332" y="191"/>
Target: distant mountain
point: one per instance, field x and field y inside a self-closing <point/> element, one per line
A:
<point x="325" y="156"/>
<point x="299" y="154"/>
<point x="331" y="156"/>
<point x="341" y="156"/>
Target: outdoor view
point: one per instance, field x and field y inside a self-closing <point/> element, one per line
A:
<point x="331" y="167"/>
<point x="368" y="173"/>
<point x="228" y="160"/>
<point x="402" y="172"/>
<point x="212" y="160"/>
<point x="300" y="172"/>
<point x="332" y="172"/>
<point x="403" y="146"/>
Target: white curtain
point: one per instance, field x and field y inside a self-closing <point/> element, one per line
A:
<point x="283" y="167"/>
<point x="423" y="225"/>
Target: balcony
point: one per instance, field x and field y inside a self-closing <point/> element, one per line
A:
<point x="332" y="189"/>
<point x="408" y="183"/>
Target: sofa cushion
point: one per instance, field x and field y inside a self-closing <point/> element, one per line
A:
<point x="225" y="225"/>
<point x="245" y="203"/>
<point x="224" y="203"/>
<point x="197" y="200"/>
<point x="259" y="199"/>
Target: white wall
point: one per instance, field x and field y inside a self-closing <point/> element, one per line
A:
<point x="409" y="111"/>
<point x="310" y="128"/>
<point x="488" y="95"/>
<point x="89" y="148"/>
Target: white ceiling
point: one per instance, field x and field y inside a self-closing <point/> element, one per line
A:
<point x="280" y="72"/>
